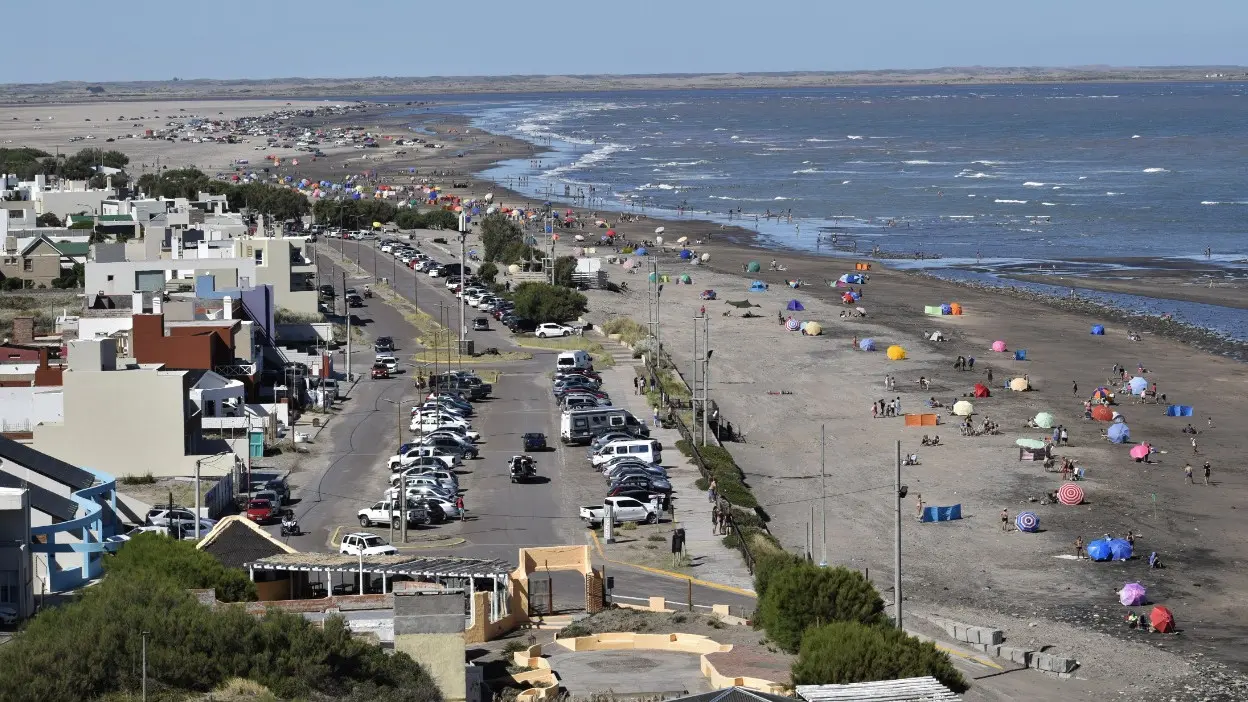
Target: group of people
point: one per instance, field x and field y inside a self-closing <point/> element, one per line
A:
<point x="967" y="427"/>
<point x="964" y="363"/>
<point x="890" y="408"/>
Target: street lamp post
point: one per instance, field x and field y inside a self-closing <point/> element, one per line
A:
<point x="899" y="494"/>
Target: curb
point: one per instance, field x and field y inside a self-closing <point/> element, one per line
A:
<point x="671" y="574"/>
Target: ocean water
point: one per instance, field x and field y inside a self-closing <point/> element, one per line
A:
<point x="1081" y="177"/>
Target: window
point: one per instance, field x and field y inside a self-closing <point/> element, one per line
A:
<point x="210" y="408"/>
<point x="28" y="265"/>
<point x="110" y="278"/>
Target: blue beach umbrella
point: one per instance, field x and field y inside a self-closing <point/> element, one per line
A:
<point x="867" y="344"/>
<point x="1119" y="433"/>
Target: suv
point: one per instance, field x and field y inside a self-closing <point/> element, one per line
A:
<point x="365" y="544"/>
<point x="328" y="292"/>
<point x="391" y="513"/>
<point x="384" y="344"/>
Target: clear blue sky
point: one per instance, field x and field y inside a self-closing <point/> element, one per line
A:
<point x="149" y="40"/>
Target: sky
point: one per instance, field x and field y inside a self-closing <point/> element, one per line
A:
<point x="90" y="40"/>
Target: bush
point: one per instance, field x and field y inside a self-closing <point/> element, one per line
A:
<point x="630" y="332"/>
<point x="497" y="234"/>
<point x="767" y="564"/>
<point x="145" y="479"/>
<point x="564" y="267"/>
<point x="804" y="595"/>
<point x="155" y="557"/>
<point x="848" y="652"/>
<point x="543" y="302"/>
<point x="487" y="272"/>
<point x="514" y="646"/>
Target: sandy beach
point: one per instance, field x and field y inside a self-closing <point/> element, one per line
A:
<point x="780" y="387"/>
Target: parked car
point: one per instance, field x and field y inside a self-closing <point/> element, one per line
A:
<point x="640" y="482"/>
<point x="391" y="513"/>
<point x="551" y="329"/>
<point x="261" y="511"/>
<point x="519" y="325"/>
<point x="449" y="460"/>
<point x="481" y="324"/>
<point x="624" y="509"/>
<point x="8" y="615"/>
<point x="364" y="543"/>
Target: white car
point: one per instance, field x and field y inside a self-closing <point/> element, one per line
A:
<point x="8" y="615"/>
<point x="438" y="419"/>
<point x="449" y="460"/>
<point x="390" y="362"/>
<point x="551" y="329"/>
<point x="364" y="543"/>
<point x="474" y="298"/>
<point x="420" y="492"/>
<point x="391" y="513"/>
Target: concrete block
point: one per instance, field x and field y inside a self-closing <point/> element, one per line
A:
<point x="1041" y="661"/>
<point x="1016" y="655"/>
<point x="959" y="632"/>
<point x="951" y="631"/>
<point x="993" y="650"/>
<point x="995" y="637"/>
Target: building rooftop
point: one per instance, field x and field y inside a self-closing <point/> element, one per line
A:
<point x="925" y="689"/>
<point x="235" y="541"/>
<point x="69" y="475"/>
<point x="734" y="694"/>
<point x="390" y="565"/>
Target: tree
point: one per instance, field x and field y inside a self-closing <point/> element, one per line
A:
<point x="564" y="267"/>
<point x="499" y="234"/>
<point x="805" y="595"/>
<point x="48" y="219"/>
<point x="767" y="564"/>
<point x="543" y="302"/>
<point x="441" y="219"/>
<point x="487" y="272"/>
<point x="75" y="277"/>
<point x="850" y="652"/>
<point x="26" y="162"/>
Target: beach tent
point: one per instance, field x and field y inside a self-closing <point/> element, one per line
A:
<point x="792" y="324"/>
<point x="794" y="306"/>
<point x="998" y="346"/>
<point x="852" y="279"/>
<point x="812" y="329"/>
<point x="847" y="298"/>
<point x="933" y="310"/>
<point x="753" y="267"/>
<point x="1138" y="385"/>
<point x="1044" y="420"/>
<point x="1119" y="433"/>
<point x="705" y="257"/>
<point x="1180" y="411"/>
<point x="981" y="390"/>
<point x="946" y="309"/>
<point x="962" y="408"/>
<point x="1019" y="385"/>
<point x="955" y="308"/>
<point x="1028" y="522"/>
<point x="1162" y="619"/>
<point x="742" y="304"/>
<point x="1029" y="443"/>
<point x="1020" y="355"/>
<point x="1140" y="451"/>
<point x="1102" y="413"/>
<point x="758" y="286"/>
<point x="685" y="279"/>
<point x="867" y="344"/>
<point x="936" y="336"/>
<point x="1120" y="549"/>
<point x="1132" y="595"/>
<point x="941" y="514"/>
<point x="896" y="353"/>
<point x="707" y="295"/>
<point x="1098" y="330"/>
<point x="1099" y="550"/>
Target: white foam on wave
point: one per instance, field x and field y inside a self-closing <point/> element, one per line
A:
<point x="720" y="129"/>
<point x="1083" y="177"/>
<point x="973" y="174"/>
<point x="855" y="137"/>
<point x="673" y="164"/>
<point x="734" y="137"/>
<point x="781" y="198"/>
<point x="1034" y="184"/>
<point x="989" y="163"/>
<point x="1057" y="187"/>
<point x="1135" y="136"/>
<point x="599" y="154"/>
<point x="1049" y="204"/>
<point x="657" y="186"/>
<point x="919" y="162"/>
<point x="844" y="182"/>
<point x="1112" y="194"/>
<point x="1010" y="202"/>
<point x="1156" y="170"/>
<point x="814" y="140"/>
<point x="807" y="170"/>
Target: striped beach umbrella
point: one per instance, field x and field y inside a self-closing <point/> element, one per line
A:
<point x="793" y="324"/>
<point x="1027" y="521"/>
<point x="1070" y="494"/>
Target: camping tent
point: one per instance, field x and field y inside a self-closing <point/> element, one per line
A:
<point x="1162" y="619"/>
<point x="794" y="306"/>
<point x="753" y="267"/>
<point x="1098" y="330"/>
<point x="981" y="390"/>
<point x="1020" y="355"/>
<point x="1044" y="420"/>
<point x="1138" y="385"/>
<point x="955" y="308"/>
<point x="946" y="309"/>
<point x="933" y="310"/>
<point x="1119" y="433"/>
<point x="1180" y="410"/>
<point x="962" y="408"/>
<point x="812" y="329"/>
<point x="1019" y="384"/>
<point x="641" y="251"/>
<point x="936" y="336"/>
<point x="1132" y="595"/>
<point x="742" y="304"/>
<point x="848" y="298"/>
<point x="998" y="346"/>
<point x="852" y="279"/>
<point x="1102" y="413"/>
<point x="686" y="254"/>
<point x="867" y="344"/>
<point x="758" y="286"/>
<point x="896" y="353"/>
<point x="685" y="279"/>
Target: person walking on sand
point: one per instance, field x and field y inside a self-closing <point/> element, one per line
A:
<point x="1078" y="548"/>
<point x="990" y="376"/>
<point x="710" y="491"/>
<point x="875" y="411"/>
<point x="1065" y="437"/>
<point x="1074" y="387"/>
<point x="1194" y="449"/>
<point x="1005" y="520"/>
<point x="918" y="507"/>
<point x="1206" y="470"/>
<point x="1187" y="473"/>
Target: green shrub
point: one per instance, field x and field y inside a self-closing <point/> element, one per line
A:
<point x="514" y="646"/>
<point x="488" y="272"/>
<point x="543" y="302"/>
<point x="152" y="557"/>
<point x="804" y="595"/>
<point x="767" y="564"/>
<point x="848" y="652"/>
<point x="630" y="332"/>
<point x="685" y="448"/>
<point x="145" y="479"/>
<point x="574" y="630"/>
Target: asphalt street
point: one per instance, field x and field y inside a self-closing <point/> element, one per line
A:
<point x="503" y="516"/>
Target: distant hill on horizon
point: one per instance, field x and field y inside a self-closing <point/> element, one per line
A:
<point x="204" y="88"/>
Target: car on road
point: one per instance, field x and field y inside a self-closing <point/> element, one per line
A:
<point x="418" y="465"/>
<point x="455" y="401"/>
<point x="328" y="292"/>
<point x="481" y="324"/>
<point x="384" y="344"/>
<point x="623" y="509"/>
<point x="451" y="443"/>
<point x="261" y="511"/>
<point x="420" y="492"/>
<point x="161" y="517"/>
<point x="519" y="325"/>
<point x="390" y="362"/>
<point x="391" y="513"/>
<point x="379" y="372"/>
<point x="534" y="441"/>
<point x="355" y="301"/>
<point x="552" y="329"/>
<point x="469" y="435"/>
<point x="362" y="543"/>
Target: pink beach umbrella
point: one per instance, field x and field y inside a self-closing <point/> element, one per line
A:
<point x="1132" y="595"/>
<point x="1140" y="451"/>
<point x="998" y="346"/>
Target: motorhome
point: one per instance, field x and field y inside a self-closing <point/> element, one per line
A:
<point x="580" y="426"/>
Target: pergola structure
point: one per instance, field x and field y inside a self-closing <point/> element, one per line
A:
<point x="461" y="573"/>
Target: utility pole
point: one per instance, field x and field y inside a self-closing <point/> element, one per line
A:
<point x="697" y="362"/>
<point x="350" y="375"/>
<point x="899" y="493"/>
<point x="823" y="491"/>
<point x="706" y="377"/>
<point x="145" y="634"/>
<point x="463" y="276"/>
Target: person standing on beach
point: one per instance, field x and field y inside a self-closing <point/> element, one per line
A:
<point x="990" y="376"/>
<point x="1005" y="520"/>
<point x="970" y="363"/>
<point x="1078" y="548"/>
<point x="1187" y="473"/>
<point x="1207" y="470"/>
<point x="1065" y="437"/>
<point x="875" y="411"/>
<point x="918" y="507"/>
<point x="1074" y="387"/>
<point x="1194" y="449"/>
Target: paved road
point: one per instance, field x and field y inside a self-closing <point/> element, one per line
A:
<point x="504" y="516"/>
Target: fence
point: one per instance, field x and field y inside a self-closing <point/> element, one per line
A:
<point x="220" y="499"/>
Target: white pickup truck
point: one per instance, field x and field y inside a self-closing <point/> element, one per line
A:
<point x="626" y="509"/>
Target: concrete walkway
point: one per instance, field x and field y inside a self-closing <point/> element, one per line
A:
<point x="712" y="561"/>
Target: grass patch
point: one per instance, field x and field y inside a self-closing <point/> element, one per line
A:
<point x="428" y="357"/>
<point x="43" y="307"/>
<point x="602" y="357"/>
<point x="145" y="479"/>
<point x="630" y="331"/>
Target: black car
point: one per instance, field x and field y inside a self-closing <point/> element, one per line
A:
<point x="534" y="441"/>
<point x="383" y="343"/>
<point x="436" y="514"/>
<point x="355" y="301"/>
<point x="520" y="325"/>
<point x="328" y="292"/>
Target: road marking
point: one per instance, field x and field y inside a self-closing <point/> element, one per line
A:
<point x="667" y="573"/>
<point x="969" y="657"/>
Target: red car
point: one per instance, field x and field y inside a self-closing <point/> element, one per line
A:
<point x="380" y="372"/>
<point x="261" y="511"/>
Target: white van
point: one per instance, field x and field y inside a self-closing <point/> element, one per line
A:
<point x="647" y="450"/>
<point x="574" y="359"/>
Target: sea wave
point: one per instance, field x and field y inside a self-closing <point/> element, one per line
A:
<point x="1010" y="202"/>
<point x="815" y="140"/>
<point x="1156" y="170"/>
<point x="1034" y="184"/>
<point x="808" y="170"/>
<point x="598" y="155"/>
<point x="973" y="174"/>
<point x="855" y="137"/>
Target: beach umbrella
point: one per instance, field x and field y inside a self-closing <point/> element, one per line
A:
<point x="1070" y="494"/>
<point x="1120" y="549"/>
<point x="1162" y="619"/>
<point x="1119" y="433"/>
<point x="682" y="240"/>
<point x="1044" y="420"/>
<point x="489" y="197"/>
<point x="1138" y="385"/>
<point x="1019" y="384"/>
<point x="1102" y="393"/>
<point x="794" y="306"/>
<point x="1027" y="521"/>
<point x="1098" y="330"/>
<point x="641" y="251"/>
<point x="705" y="257"/>
<point x="962" y="408"/>
<point x="998" y="346"/>
<point x="813" y="329"/>
<point x="630" y="263"/>
<point x="867" y="344"/>
<point x="685" y="254"/>
<point x="847" y="299"/>
<point x="579" y="237"/>
<point x="610" y="233"/>
<point x="955" y="308"/>
<point x="861" y="310"/>
<point x="753" y="267"/>
<point x="1132" y="595"/>
<point x="1030" y="443"/>
<point x="896" y="353"/>
<point x="658" y="240"/>
<point x="1099" y="550"/>
<point x="792" y="324"/>
<point x="1102" y="413"/>
<point x="658" y="230"/>
<point x="1140" y="451"/>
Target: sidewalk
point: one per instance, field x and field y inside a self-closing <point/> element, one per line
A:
<point x="712" y="561"/>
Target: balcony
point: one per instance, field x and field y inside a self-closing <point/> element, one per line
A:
<point x="235" y="370"/>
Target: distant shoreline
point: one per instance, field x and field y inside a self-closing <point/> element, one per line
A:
<point x="333" y="88"/>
